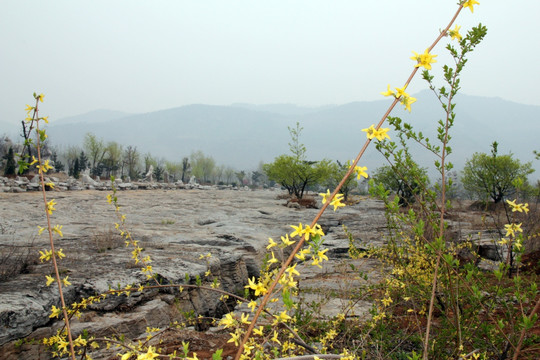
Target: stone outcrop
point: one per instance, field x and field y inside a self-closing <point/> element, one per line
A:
<point x="175" y="228"/>
<point x="23" y="184"/>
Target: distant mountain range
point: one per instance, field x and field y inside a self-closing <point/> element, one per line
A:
<point x="243" y="135"/>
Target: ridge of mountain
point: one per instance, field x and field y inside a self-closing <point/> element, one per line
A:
<point x="243" y="135"/>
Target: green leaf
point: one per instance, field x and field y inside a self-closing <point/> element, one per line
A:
<point x="217" y="355"/>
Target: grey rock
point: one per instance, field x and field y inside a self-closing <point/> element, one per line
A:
<point x="233" y="226"/>
<point x="86" y="179"/>
<point x="22" y="180"/>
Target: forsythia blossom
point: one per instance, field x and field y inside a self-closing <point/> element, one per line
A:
<point x="470" y="4"/>
<point x="50" y="206"/>
<point x="361" y="171"/>
<point x="511" y="229"/>
<point x="518" y="207"/>
<point x="425" y="59"/>
<point x="379" y="134"/>
<point x="405" y="99"/>
<point x="455" y="33"/>
<point x="336" y="202"/>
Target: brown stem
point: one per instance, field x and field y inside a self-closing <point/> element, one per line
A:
<point x="266" y="298"/>
<point x="443" y="198"/>
<point x="51" y="240"/>
<point x="522" y="336"/>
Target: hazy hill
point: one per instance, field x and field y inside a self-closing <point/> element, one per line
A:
<point x="242" y="135"/>
<point x="92" y="117"/>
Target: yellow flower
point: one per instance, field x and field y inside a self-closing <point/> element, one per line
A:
<point x="302" y="254"/>
<point x="50" y="280"/>
<point x="336" y="202"/>
<point x="321" y="255"/>
<point x="109" y="198"/>
<point x="252" y="305"/>
<point x="387" y="301"/>
<point x="287" y="281"/>
<point x="235" y="337"/>
<point x="29" y="108"/>
<point x="361" y="171"/>
<point x="511" y="229"/>
<point x="55" y="312"/>
<point x="271" y="244"/>
<point x="317" y="262"/>
<point x="425" y="59"/>
<point x="45" y="255"/>
<point x="45" y="166"/>
<point x="518" y="207"/>
<point x="292" y="270"/>
<point x="275" y="337"/>
<point x="40" y="97"/>
<point x="308" y="231"/>
<point x="455" y="33"/>
<point x="380" y="134"/>
<point x="258" y="331"/>
<point x="60" y="254"/>
<point x="282" y="317"/>
<point x="40" y="230"/>
<point x="370" y="132"/>
<point x="470" y="4"/>
<point x="244" y="319"/>
<point x="318" y="230"/>
<point x="407" y="101"/>
<point x="258" y="287"/>
<point x="46" y="119"/>
<point x="273" y="259"/>
<point x="228" y="321"/>
<point x="512" y="203"/>
<point x="58" y="229"/>
<point x="150" y="354"/>
<point x="401" y="91"/>
<point x="298" y="230"/>
<point x="286" y="241"/>
<point x="388" y="92"/>
<point x="50" y="206"/>
<point x="325" y="196"/>
<point x="65" y="281"/>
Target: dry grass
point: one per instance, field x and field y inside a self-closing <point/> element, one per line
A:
<point x="16" y="259"/>
<point x="107" y="240"/>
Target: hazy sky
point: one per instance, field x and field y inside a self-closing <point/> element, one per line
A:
<point x="141" y="56"/>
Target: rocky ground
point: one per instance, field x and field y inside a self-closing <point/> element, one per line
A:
<point x="174" y="227"/>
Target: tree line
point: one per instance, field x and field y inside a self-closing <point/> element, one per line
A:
<point x="105" y="159"/>
<point x="485" y="176"/>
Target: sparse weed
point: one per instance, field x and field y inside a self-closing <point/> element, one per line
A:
<point x="107" y="240"/>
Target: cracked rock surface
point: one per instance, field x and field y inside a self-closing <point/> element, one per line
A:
<point x="174" y="227"/>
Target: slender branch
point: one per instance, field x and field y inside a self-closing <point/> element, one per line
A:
<point x="522" y="336"/>
<point x="49" y="228"/>
<point x="284" y="266"/>
<point x="443" y="198"/>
